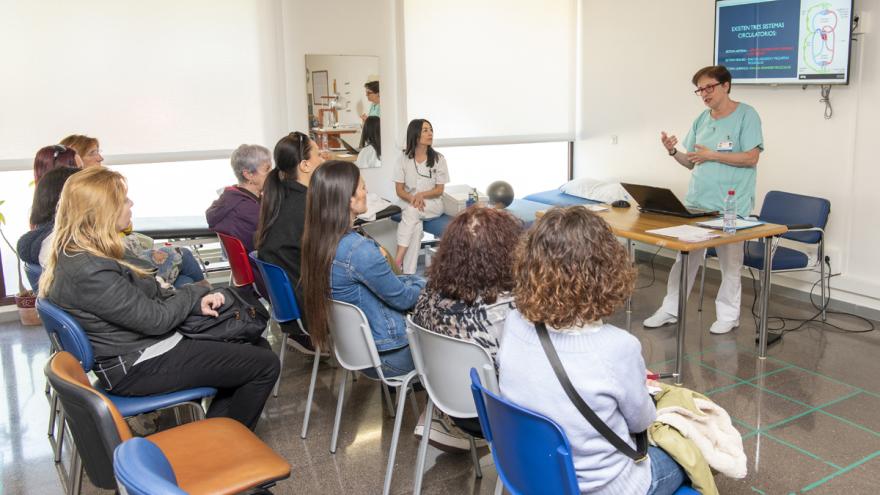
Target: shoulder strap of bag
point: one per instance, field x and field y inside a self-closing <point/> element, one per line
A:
<point x="638" y="454"/>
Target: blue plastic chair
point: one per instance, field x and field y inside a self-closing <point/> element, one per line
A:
<point x="33" y="272"/>
<point x="141" y="468"/>
<point x="806" y="218"/>
<point x="284" y="309"/>
<point x="531" y="452"/>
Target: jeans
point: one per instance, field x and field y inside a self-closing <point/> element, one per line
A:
<point x="666" y="475"/>
<point x="190" y="270"/>
<point x="243" y="375"/>
<point x="397" y="362"/>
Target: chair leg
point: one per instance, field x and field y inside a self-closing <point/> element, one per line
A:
<point x="339" y="401"/>
<point x="822" y="280"/>
<point x="311" y="392"/>
<point x="75" y="474"/>
<point x="423" y="448"/>
<point x="702" y="284"/>
<point x="398" y="419"/>
<point x="281" y="354"/>
<point x="476" y="460"/>
<point x="59" y="443"/>
<point x="388" y="404"/>
<point x="53" y="410"/>
<point x="499" y="486"/>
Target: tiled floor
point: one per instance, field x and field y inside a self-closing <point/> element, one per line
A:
<point x="809" y="414"/>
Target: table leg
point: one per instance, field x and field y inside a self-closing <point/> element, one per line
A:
<point x="765" y="297"/>
<point x="630" y="249"/>
<point x="682" y="316"/>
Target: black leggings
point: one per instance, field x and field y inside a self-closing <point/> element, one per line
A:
<point x="243" y="375"/>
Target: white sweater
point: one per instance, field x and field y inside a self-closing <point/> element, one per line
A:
<point x="605" y="365"/>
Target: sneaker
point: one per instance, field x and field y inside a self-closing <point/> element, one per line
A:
<point x="443" y="434"/>
<point x="659" y="319"/>
<point x="721" y="327"/>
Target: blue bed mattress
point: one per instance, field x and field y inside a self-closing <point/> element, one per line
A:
<point x="556" y="197"/>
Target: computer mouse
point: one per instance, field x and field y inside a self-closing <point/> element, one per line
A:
<point x="621" y="203"/>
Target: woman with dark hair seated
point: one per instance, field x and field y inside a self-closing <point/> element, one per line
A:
<point x="283" y="216"/>
<point x="569" y="274"/>
<point x="340" y="264"/>
<point x="55" y="156"/>
<point x="131" y="320"/>
<point x="33" y="246"/>
<point x="470" y="279"/>
<point x="370" y="155"/>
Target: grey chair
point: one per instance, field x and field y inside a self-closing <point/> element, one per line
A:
<point x="356" y="351"/>
<point x="444" y="365"/>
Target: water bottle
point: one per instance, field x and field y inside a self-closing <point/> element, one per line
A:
<point x="472" y="199"/>
<point x="729" y="223"/>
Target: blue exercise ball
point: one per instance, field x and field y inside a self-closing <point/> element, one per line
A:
<point x="500" y="193"/>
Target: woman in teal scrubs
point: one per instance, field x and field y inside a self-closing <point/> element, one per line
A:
<point x="722" y="149"/>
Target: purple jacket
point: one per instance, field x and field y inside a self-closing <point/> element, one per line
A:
<point x="236" y="212"/>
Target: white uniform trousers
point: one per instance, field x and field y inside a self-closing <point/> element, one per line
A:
<point x="409" y="230"/>
<point x="727" y="302"/>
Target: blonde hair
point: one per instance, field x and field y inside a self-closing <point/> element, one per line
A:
<point x="86" y="218"/>
<point x="80" y="143"/>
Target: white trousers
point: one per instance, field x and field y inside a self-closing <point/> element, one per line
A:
<point x="727" y="302"/>
<point x="409" y="230"/>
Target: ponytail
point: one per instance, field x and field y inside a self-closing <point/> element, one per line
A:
<point x="270" y="206"/>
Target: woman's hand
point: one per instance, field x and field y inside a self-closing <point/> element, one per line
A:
<point x="700" y="155"/>
<point x="418" y="201"/>
<point x="669" y="142"/>
<point x="212" y="302"/>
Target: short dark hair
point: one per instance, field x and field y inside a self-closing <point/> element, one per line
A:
<point x="373" y="86"/>
<point x="47" y="193"/>
<point x="717" y="72"/>
<point x="475" y="256"/>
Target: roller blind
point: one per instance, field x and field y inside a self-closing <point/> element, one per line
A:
<point x="492" y="71"/>
<point x="143" y="77"/>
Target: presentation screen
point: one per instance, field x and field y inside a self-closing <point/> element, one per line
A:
<point x="784" y="41"/>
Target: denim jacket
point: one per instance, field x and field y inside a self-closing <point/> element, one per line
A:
<point x="360" y="275"/>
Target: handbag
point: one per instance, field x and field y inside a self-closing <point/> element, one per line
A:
<point x="241" y="318"/>
<point x="640" y="453"/>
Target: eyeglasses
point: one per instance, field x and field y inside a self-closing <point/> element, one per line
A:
<point x="708" y="89"/>
<point x="95" y="152"/>
<point x="370" y="92"/>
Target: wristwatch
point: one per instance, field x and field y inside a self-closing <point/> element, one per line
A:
<point x="673" y="152"/>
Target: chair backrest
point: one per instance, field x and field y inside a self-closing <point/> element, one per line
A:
<point x="353" y="341"/>
<point x="531" y="452"/>
<point x="444" y="365"/>
<point x="239" y="263"/>
<point x="33" y="272"/>
<point x="142" y="469"/>
<point x="95" y="423"/>
<point x="796" y="209"/>
<point x="65" y="332"/>
<point x="279" y="289"/>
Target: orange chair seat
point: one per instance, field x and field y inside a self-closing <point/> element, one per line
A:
<point x="218" y="456"/>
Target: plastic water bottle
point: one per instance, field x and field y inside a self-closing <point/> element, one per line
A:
<point x="729" y="223"/>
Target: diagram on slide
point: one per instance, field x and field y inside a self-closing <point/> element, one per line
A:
<point x="824" y="43"/>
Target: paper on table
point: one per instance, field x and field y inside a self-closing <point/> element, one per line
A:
<point x="596" y="208"/>
<point x="741" y="223"/>
<point x="686" y="233"/>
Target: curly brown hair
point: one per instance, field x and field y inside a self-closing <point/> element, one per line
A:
<point x="570" y="270"/>
<point x="475" y="257"/>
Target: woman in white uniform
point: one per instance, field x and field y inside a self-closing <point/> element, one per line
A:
<point x="419" y="178"/>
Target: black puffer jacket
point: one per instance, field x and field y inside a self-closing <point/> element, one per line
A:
<point x="120" y="311"/>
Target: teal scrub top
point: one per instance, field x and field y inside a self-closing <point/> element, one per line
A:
<point x="374" y="110"/>
<point x="738" y="132"/>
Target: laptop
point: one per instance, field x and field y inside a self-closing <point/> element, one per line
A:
<point x="351" y="149"/>
<point x="662" y="200"/>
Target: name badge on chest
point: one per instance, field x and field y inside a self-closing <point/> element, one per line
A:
<point x="726" y="145"/>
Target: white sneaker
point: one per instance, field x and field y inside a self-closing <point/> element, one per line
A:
<point x="659" y="319"/>
<point x="720" y="327"/>
<point x="444" y="435"/>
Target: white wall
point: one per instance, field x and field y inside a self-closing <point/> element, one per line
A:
<point x="637" y="61"/>
<point x="345" y="27"/>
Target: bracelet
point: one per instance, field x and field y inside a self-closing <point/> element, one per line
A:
<point x="673" y="152"/>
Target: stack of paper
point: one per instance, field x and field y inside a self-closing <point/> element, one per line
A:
<point x="596" y="208"/>
<point x="741" y="223"/>
<point x="686" y="233"/>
